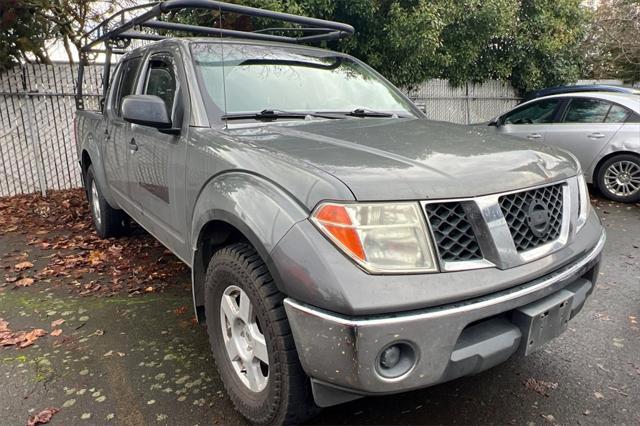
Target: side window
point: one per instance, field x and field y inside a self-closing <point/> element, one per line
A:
<point x="586" y="110"/>
<point x="161" y="81"/>
<point x="128" y="79"/>
<point x="114" y="87"/>
<point x="534" y="113"/>
<point x="617" y="114"/>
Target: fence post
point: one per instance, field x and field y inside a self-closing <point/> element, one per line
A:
<point x="34" y="139"/>
<point x="468" y="103"/>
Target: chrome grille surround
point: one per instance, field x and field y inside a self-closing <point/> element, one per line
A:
<point x="493" y="234"/>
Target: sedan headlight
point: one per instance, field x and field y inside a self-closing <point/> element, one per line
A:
<point x="585" y="202"/>
<point x="381" y="237"/>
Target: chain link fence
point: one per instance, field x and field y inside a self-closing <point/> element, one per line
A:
<point x="37" y="151"/>
<point x="37" y="148"/>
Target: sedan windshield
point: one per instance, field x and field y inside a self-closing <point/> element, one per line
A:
<point x="260" y="78"/>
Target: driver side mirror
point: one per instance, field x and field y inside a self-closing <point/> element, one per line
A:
<point x="146" y="110"/>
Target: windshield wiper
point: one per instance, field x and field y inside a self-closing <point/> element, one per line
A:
<point x="274" y="114"/>
<point x="363" y="112"/>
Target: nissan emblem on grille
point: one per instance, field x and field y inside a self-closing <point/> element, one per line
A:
<point x="538" y="218"/>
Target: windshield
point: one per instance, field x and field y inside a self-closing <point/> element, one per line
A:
<point x="290" y="79"/>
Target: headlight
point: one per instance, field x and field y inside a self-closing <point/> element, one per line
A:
<point x="381" y="237"/>
<point x="585" y="202"/>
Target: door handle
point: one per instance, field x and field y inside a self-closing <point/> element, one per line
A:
<point x="534" y="136"/>
<point x="133" y="146"/>
<point x="596" y="135"/>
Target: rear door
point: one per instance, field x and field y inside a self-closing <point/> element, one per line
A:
<point x="530" y="121"/>
<point x="586" y="126"/>
<point x="117" y="153"/>
<point x="158" y="164"/>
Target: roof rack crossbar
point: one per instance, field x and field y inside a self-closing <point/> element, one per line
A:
<point x="325" y="30"/>
<point x="118" y="30"/>
<point x="196" y="29"/>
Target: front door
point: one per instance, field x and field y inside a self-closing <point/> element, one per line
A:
<point x="530" y="121"/>
<point x="158" y="166"/>
<point x="117" y="153"/>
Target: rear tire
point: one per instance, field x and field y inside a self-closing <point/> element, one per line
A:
<point x="280" y="392"/>
<point x="618" y="178"/>
<point x="107" y="221"/>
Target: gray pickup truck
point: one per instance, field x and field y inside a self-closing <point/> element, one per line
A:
<point x="341" y="245"/>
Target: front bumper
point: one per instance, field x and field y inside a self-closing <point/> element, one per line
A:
<point x="341" y="354"/>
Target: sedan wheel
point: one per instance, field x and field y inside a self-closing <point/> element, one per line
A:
<point x="619" y="178"/>
<point x="622" y="178"/>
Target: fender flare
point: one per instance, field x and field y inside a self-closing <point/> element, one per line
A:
<point x="90" y="146"/>
<point x="259" y="209"/>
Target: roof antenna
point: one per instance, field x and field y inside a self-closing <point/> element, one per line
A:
<point x="224" y="79"/>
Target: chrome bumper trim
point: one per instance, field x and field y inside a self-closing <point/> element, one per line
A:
<point x="502" y="297"/>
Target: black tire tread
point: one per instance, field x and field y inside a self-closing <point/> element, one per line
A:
<point x="114" y="222"/>
<point x="296" y="406"/>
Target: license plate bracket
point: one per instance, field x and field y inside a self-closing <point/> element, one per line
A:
<point x="543" y="320"/>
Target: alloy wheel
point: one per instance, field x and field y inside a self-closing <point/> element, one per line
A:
<point x="244" y="339"/>
<point x="622" y="178"/>
<point x="95" y="203"/>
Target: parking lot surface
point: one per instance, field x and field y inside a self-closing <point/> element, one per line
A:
<point x="128" y="351"/>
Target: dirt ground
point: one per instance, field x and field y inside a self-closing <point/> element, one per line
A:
<point x="108" y="336"/>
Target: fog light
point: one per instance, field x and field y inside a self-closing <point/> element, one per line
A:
<point x="396" y="360"/>
<point x="390" y="357"/>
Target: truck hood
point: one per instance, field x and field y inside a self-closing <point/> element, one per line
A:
<point x="403" y="159"/>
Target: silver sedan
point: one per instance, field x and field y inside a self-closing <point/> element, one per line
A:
<point x="601" y="129"/>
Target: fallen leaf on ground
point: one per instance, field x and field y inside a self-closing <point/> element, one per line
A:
<point x="540" y="386"/>
<point x="42" y="417"/>
<point x="56" y="332"/>
<point x="57" y="323"/>
<point x="23" y="265"/>
<point x="4" y="326"/>
<point x="30" y="337"/>
<point x="11" y="279"/>
<point x="598" y="395"/>
<point x="24" y="282"/>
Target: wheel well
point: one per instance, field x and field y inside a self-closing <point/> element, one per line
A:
<point x="213" y="236"/>
<point x="85" y="163"/>
<point x="596" y="170"/>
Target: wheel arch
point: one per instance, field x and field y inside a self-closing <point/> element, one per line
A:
<point x="236" y="207"/>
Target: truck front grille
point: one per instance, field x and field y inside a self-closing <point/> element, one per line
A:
<point x="517" y="211"/>
<point x="453" y="233"/>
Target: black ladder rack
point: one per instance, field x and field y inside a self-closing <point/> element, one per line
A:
<point x="116" y="32"/>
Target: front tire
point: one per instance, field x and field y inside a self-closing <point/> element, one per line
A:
<point x="619" y="178"/>
<point x="107" y="221"/>
<point x="251" y="340"/>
